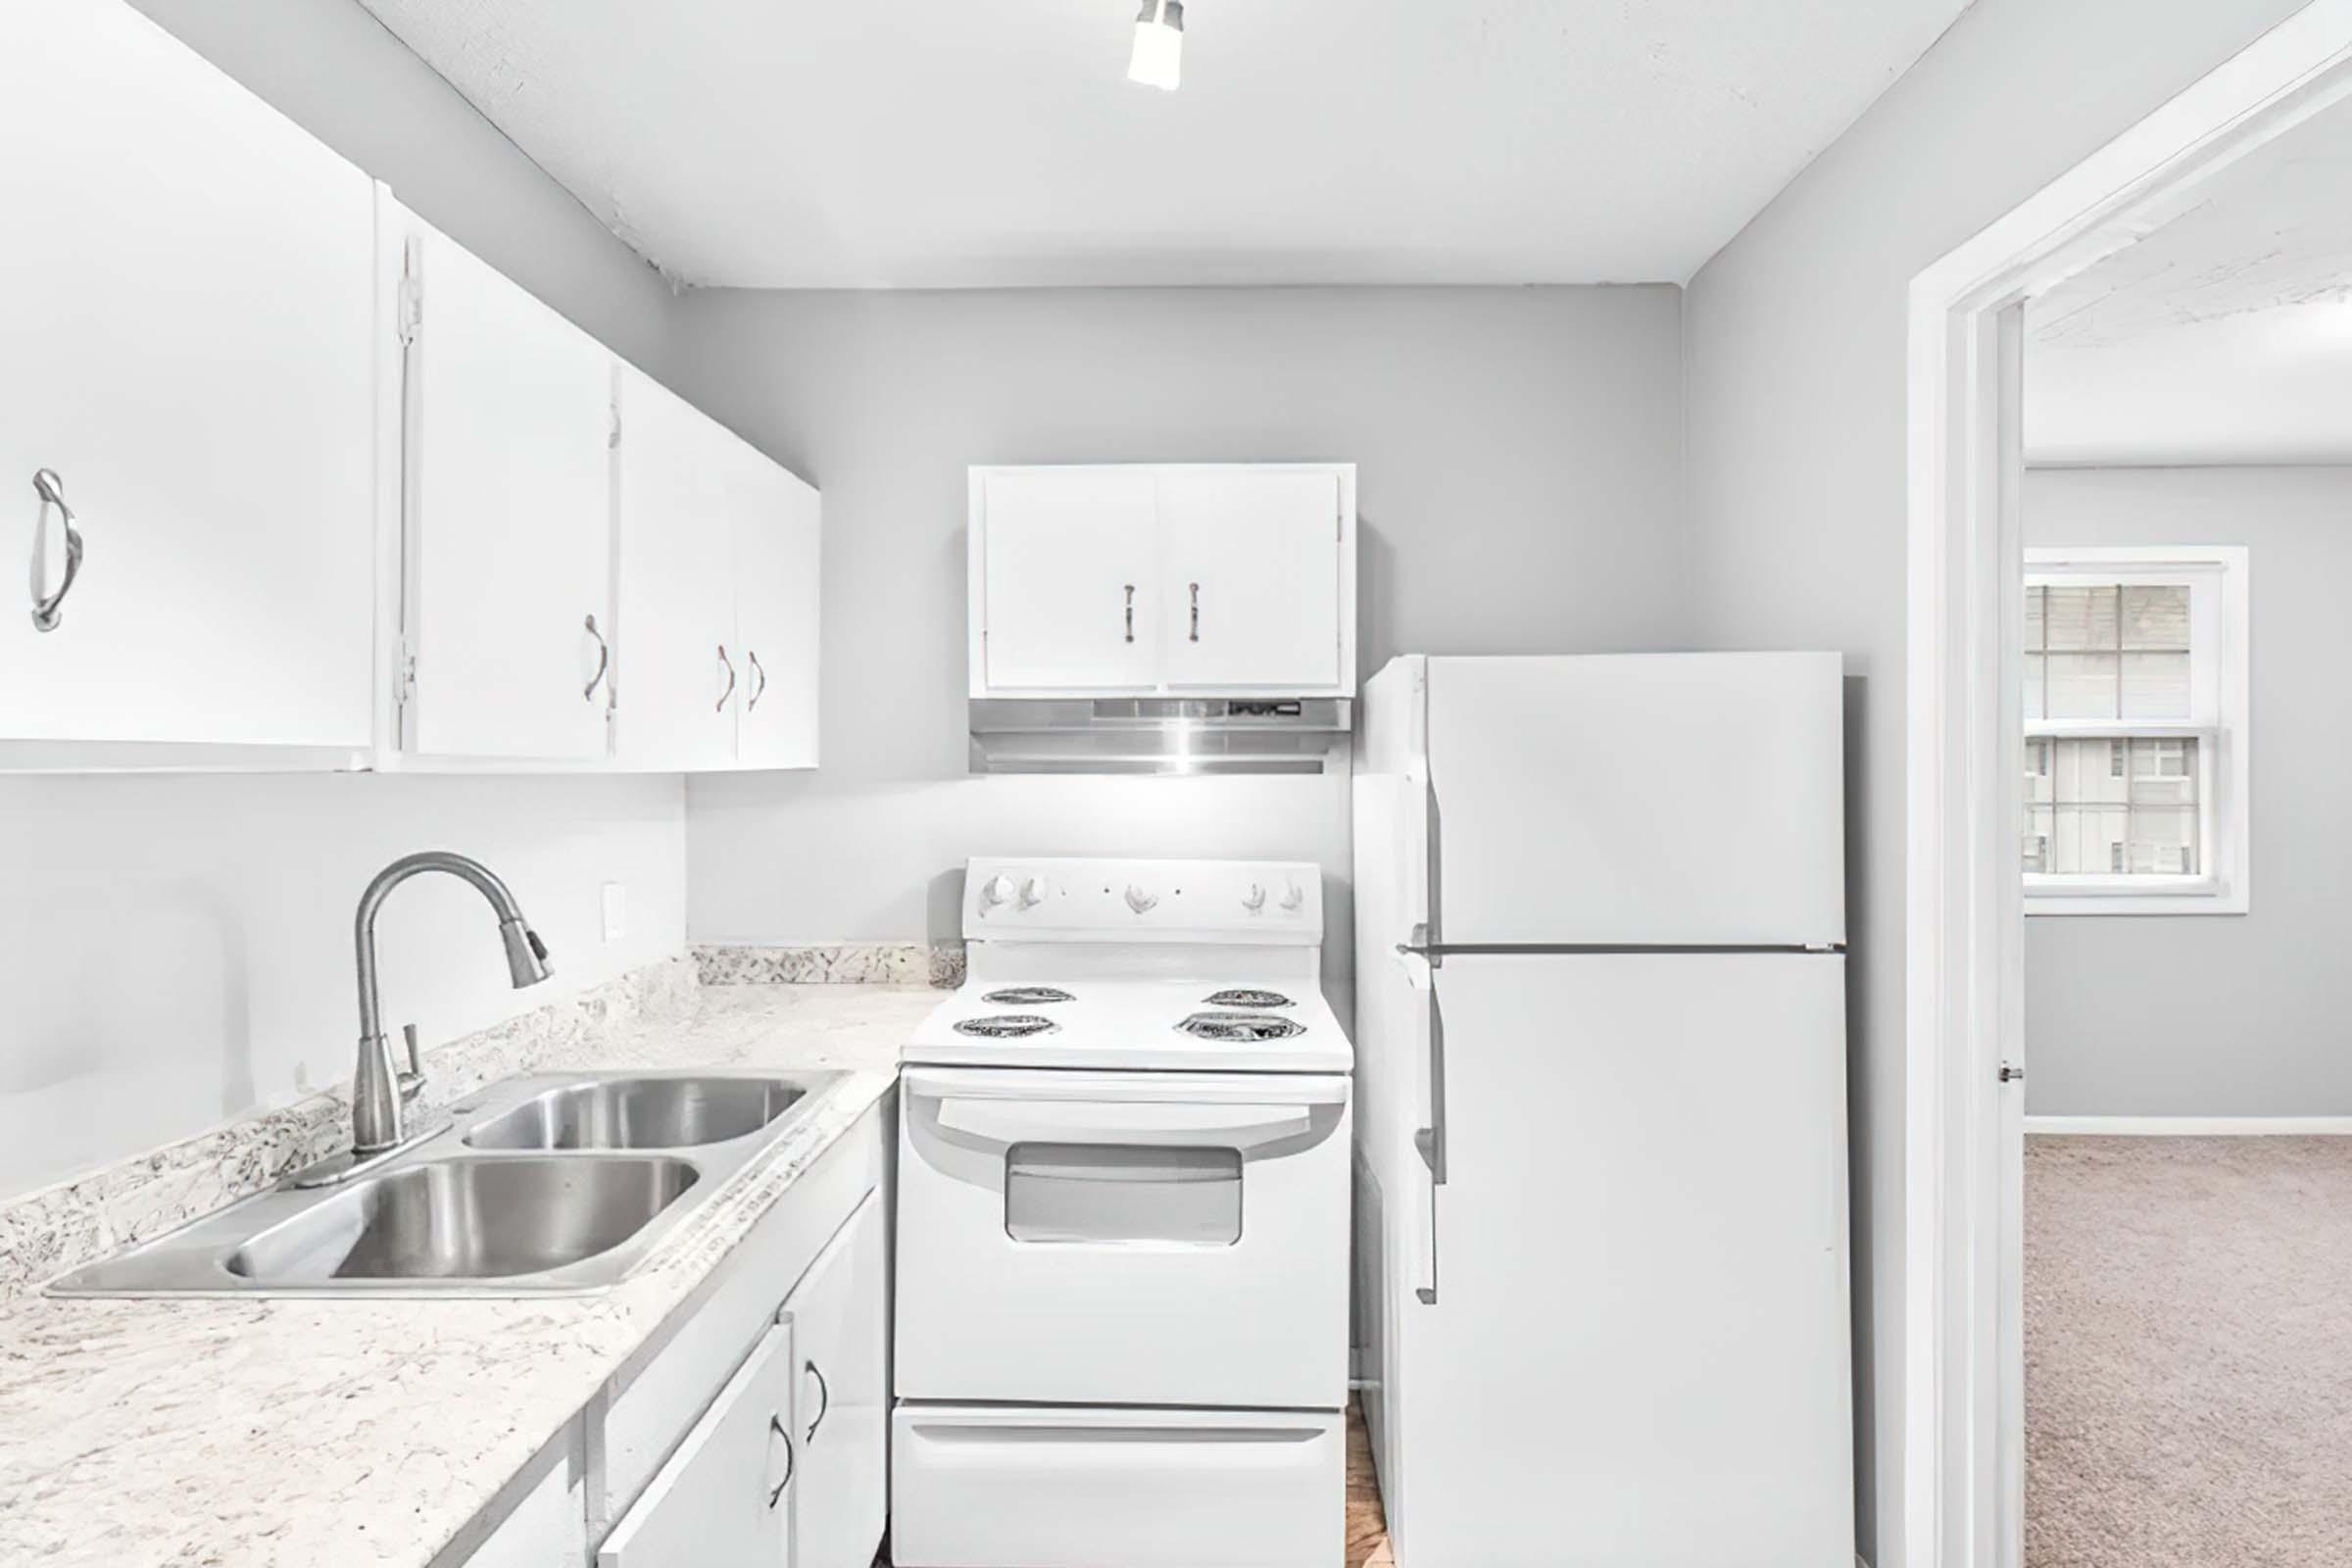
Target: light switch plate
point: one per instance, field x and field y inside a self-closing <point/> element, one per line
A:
<point x="616" y="919"/>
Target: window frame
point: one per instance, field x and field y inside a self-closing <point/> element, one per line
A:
<point x="2220" y="720"/>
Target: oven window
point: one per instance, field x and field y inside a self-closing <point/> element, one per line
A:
<point x="1122" y="1193"/>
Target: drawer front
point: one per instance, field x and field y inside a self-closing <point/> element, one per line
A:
<point x="1066" y="1238"/>
<point x="990" y="1488"/>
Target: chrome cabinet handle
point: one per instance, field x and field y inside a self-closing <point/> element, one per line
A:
<point x="1196" y="611"/>
<point x="776" y="1426"/>
<point x="603" y="662"/>
<point x="52" y="491"/>
<point x="824" y="1398"/>
<point x="759" y="690"/>
<point x="1130" y="612"/>
<point x="730" y="691"/>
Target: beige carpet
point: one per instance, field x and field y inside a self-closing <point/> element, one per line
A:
<point x="2188" y="1353"/>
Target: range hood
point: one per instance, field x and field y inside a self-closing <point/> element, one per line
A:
<point x="1157" y="735"/>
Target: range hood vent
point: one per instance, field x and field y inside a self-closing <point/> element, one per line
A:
<point x="1157" y="735"/>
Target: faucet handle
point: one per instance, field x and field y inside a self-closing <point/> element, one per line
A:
<point x="412" y="1081"/>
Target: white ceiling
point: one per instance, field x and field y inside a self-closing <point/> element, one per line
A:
<point x="960" y="143"/>
<point x="2224" y="336"/>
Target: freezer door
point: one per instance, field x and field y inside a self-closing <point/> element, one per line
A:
<point x="1637" y="1354"/>
<point x="1645" y="800"/>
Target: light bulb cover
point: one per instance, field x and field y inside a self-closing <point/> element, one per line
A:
<point x="1159" y="58"/>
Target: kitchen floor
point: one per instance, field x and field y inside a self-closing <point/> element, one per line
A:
<point x="2187" y="1369"/>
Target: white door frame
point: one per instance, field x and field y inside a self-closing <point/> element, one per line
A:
<point x="1963" y="1415"/>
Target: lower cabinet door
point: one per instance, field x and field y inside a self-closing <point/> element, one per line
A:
<point x="725" y="1497"/>
<point x="1041" y="1487"/>
<point x="837" y="1315"/>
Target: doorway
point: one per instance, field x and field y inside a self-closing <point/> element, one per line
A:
<point x="1965" y="1428"/>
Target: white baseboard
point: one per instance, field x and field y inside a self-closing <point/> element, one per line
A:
<point x="2192" y="1126"/>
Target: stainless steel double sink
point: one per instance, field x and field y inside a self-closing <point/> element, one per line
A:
<point x="552" y="1184"/>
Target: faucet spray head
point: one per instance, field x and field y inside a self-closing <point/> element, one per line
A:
<point x="526" y="955"/>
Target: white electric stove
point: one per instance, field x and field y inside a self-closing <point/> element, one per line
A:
<point x="1123" y="1227"/>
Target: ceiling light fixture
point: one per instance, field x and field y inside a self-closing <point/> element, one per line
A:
<point x="1159" y="57"/>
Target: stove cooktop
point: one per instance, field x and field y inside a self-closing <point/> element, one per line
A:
<point x="1160" y="1024"/>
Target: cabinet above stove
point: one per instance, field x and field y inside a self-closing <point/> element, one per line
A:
<point x="1167" y="619"/>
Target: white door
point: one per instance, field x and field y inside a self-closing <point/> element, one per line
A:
<point x="839" y="1315"/>
<point x="1642" y="1227"/>
<point x="677" y="666"/>
<point x="1250" y="583"/>
<point x="508" y="517"/>
<point x="1069" y="560"/>
<point x="1654" y="798"/>
<point x="1078" y="1238"/>
<point x="188" y="300"/>
<point x="776" y="613"/>
<point x="724" y="1500"/>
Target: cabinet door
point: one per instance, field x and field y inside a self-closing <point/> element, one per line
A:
<point x="724" y="1500"/>
<point x="1067" y="562"/>
<point x="677" y="666"/>
<point x="508" y="516"/>
<point x="838" y="1314"/>
<point x="777" y="610"/>
<point x="188" y="300"/>
<point x="1252" y="587"/>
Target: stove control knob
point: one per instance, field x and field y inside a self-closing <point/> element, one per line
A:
<point x="995" y="891"/>
<point x="1294" y="898"/>
<point x="1033" y="892"/>
<point x="1254" y="899"/>
<point x="1139" y="901"/>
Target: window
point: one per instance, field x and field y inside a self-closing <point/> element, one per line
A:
<point x="2136" y="731"/>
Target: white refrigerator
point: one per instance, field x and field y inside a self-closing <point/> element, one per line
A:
<point x="1602" y="1291"/>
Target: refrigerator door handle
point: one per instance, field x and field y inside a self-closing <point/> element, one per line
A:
<point x="1430" y="1144"/>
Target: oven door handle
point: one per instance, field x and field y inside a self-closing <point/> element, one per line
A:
<point x="1148" y="1122"/>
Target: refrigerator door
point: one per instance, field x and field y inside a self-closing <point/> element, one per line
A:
<point x="1669" y="799"/>
<point x="1638" y="1355"/>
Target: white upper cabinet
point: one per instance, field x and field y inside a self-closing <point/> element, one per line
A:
<point x="775" y="516"/>
<point x="188" y="304"/>
<point x="1200" y="579"/>
<point x="716" y="662"/>
<point x="1064" y="566"/>
<point x="1253" y="578"/>
<point x="680" y="669"/>
<point x="506" y="518"/>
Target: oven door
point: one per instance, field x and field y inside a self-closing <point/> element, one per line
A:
<point x="1123" y="1237"/>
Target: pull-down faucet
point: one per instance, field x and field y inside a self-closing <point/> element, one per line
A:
<point x="379" y="1089"/>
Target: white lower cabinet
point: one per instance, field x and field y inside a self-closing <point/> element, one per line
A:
<point x="1006" y="1486"/>
<point x="841" y="1396"/>
<point x="725" y="1497"/>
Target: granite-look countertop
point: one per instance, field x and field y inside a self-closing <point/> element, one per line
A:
<point x="303" y="1433"/>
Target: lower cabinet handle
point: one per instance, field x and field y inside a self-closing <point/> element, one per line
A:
<point x="759" y="690"/>
<point x="1130" y="612"/>
<point x="776" y="1426"/>
<point x="52" y="491"/>
<point x="603" y="662"/>
<point x="721" y="706"/>
<point x="824" y="1398"/>
<point x="1196" y="611"/>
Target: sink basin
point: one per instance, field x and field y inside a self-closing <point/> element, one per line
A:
<point x="640" y="1113"/>
<point x="466" y="1219"/>
<point x="554" y="1185"/>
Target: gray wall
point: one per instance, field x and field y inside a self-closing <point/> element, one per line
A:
<point x="1796" y="345"/>
<point x="2219" y="1015"/>
<point x="1520" y="491"/>
<point x="174" y="951"/>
